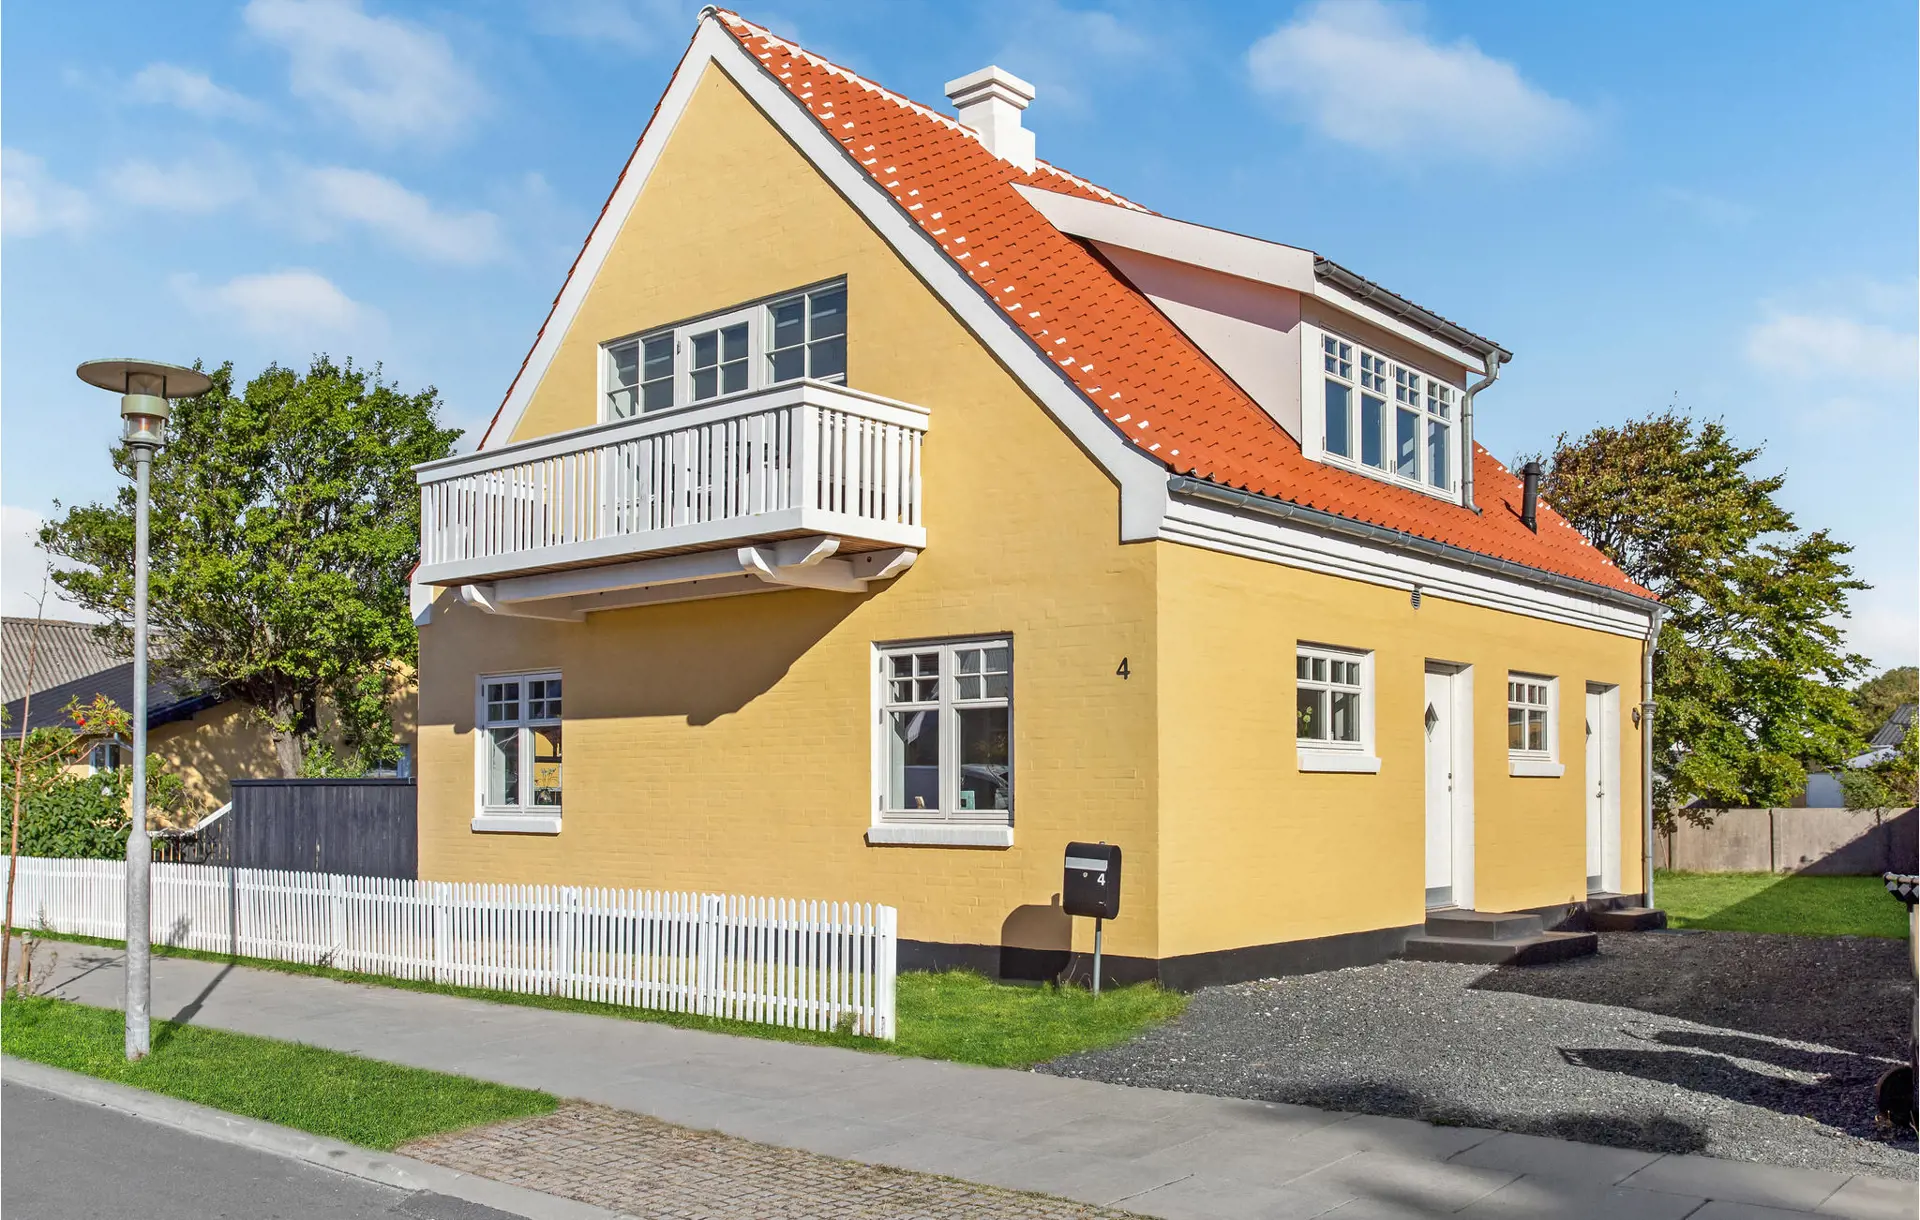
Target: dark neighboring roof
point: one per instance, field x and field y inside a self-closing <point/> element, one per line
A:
<point x="67" y="650"/>
<point x="1894" y="731"/>
<point x="169" y="698"/>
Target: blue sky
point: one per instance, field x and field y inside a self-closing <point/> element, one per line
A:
<point x="1708" y="205"/>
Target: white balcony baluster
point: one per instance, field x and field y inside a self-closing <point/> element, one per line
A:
<point x="797" y="459"/>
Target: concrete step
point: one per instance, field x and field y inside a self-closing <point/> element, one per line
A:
<point x="1482" y="925"/>
<point x="1629" y="919"/>
<point x="1534" y="950"/>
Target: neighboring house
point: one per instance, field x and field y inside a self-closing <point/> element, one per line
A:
<point x="1823" y="787"/>
<point x="205" y="739"/>
<point x="881" y="508"/>
<point x="1885" y="742"/>
<point x="64" y="650"/>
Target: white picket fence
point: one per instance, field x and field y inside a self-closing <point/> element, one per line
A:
<point x="777" y="961"/>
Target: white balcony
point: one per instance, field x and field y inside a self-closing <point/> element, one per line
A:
<point x="804" y="484"/>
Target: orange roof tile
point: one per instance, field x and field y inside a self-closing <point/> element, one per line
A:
<point x="1153" y="384"/>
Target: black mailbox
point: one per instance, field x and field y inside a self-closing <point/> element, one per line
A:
<point x="1092" y="886"/>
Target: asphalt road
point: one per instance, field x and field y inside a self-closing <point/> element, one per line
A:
<point x="67" y="1160"/>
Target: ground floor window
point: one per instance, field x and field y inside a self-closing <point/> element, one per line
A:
<point x="945" y="738"/>
<point x="1529" y="717"/>
<point x="1333" y="708"/>
<point x="520" y="744"/>
<point x="108" y="756"/>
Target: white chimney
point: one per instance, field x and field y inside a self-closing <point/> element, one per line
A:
<point x="990" y="102"/>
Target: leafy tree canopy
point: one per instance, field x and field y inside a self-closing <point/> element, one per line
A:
<point x="1879" y="696"/>
<point x="285" y="520"/>
<point x="1751" y="673"/>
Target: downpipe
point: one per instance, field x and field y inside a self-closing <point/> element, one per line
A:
<point x="1494" y="361"/>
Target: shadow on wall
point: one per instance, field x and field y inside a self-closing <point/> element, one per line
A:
<point x="699" y="660"/>
<point x="1820" y="842"/>
<point x="1036" y="943"/>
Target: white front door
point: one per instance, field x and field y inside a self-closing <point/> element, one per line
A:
<point x="1438" y="720"/>
<point x="1603" y="789"/>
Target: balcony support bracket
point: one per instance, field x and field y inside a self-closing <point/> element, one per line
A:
<point x="795" y="563"/>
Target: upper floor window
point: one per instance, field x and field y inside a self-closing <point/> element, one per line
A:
<point x="800" y="335"/>
<point x="1387" y="418"/>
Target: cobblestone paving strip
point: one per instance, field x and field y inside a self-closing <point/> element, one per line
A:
<point x="656" y="1171"/>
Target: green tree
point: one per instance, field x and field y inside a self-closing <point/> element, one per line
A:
<point x="1878" y="697"/>
<point x="285" y="521"/>
<point x="1751" y="674"/>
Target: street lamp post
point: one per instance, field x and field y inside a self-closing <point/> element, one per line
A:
<point x="144" y="388"/>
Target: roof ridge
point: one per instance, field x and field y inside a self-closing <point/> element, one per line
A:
<point x="902" y="100"/>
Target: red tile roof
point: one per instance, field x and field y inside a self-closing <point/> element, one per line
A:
<point x="1130" y="362"/>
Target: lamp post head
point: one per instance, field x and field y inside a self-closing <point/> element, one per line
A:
<point x="145" y="388"/>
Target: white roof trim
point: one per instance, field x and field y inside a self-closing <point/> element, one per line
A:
<point x="1250" y="258"/>
<point x="1373" y="316"/>
<point x="1140" y="476"/>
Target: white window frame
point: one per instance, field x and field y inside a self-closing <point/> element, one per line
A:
<point x="522" y="818"/>
<point x="1397" y="377"/>
<point x="117" y="748"/>
<point x="1351" y="756"/>
<point x="1536" y="764"/>
<point x="757" y="316"/>
<point x="948" y="826"/>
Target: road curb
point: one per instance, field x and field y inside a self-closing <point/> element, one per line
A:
<point x="385" y="1168"/>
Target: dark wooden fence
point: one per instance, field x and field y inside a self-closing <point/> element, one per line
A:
<point x="363" y="827"/>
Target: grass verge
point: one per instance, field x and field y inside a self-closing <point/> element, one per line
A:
<point x="1777" y="902"/>
<point x="362" y="1101"/>
<point x="955" y="1015"/>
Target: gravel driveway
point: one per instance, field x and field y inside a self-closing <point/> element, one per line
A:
<point x="1760" y="1048"/>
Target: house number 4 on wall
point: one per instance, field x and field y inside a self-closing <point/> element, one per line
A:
<point x="1123" y="673"/>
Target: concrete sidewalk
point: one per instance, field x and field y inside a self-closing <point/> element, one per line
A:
<point x="1174" y="1155"/>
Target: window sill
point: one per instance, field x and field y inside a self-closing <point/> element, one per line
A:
<point x="1536" y="768"/>
<point x="908" y="835"/>
<point x="1339" y="760"/>
<point x="517" y="824"/>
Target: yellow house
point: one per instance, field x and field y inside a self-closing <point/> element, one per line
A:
<point x="882" y="508"/>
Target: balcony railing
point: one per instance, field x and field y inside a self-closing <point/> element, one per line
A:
<point x="797" y="460"/>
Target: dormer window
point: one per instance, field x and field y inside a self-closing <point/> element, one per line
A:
<point x="794" y="336"/>
<point x="1385" y="418"/>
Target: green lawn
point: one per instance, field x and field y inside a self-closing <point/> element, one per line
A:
<point x="362" y="1101"/>
<point x="952" y="1015"/>
<point x="1775" y="902"/>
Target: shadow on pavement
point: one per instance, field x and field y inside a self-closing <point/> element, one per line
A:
<point x="1854" y="994"/>
<point x="1651" y="1133"/>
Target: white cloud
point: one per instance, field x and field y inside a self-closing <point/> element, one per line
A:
<point x="1359" y="72"/>
<point x="393" y="79"/>
<point x="1065" y="52"/>
<point x="638" y="26"/>
<point x="297" y="304"/>
<point x="406" y="219"/>
<point x="1832" y="345"/>
<point x="207" y="182"/>
<point x="189" y="90"/>
<point x="23" y="567"/>
<point x="32" y="201"/>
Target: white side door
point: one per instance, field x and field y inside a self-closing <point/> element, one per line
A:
<point x="1603" y="789"/>
<point x="1596" y="792"/>
<point x="1438" y="720"/>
